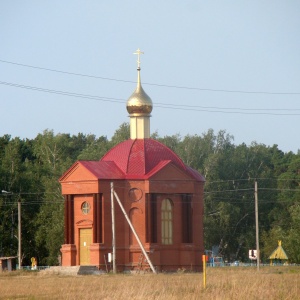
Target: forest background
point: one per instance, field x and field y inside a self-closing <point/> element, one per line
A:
<point x="30" y="169"/>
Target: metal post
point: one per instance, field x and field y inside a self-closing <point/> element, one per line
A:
<point x="135" y="234"/>
<point x="19" y="235"/>
<point x="256" y="225"/>
<point x="204" y="270"/>
<point x="113" y="227"/>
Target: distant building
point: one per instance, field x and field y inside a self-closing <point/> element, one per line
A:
<point x="278" y="256"/>
<point x="7" y="263"/>
<point x="161" y="195"/>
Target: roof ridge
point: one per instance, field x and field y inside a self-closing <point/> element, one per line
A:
<point x="129" y="156"/>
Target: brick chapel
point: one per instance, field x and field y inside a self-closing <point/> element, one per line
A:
<point x="162" y="197"/>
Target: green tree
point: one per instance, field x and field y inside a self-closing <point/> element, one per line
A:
<point x="120" y="135"/>
<point x="95" y="149"/>
<point x="292" y="238"/>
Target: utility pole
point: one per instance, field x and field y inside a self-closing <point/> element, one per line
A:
<point x="135" y="234"/>
<point x="19" y="235"/>
<point x="256" y="225"/>
<point x="19" y="229"/>
<point x="113" y="227"/>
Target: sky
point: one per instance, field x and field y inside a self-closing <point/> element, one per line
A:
<point x="68" y="66"/>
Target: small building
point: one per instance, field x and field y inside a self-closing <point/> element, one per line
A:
<point x="7" y="263"/>
<point x="278" y="256"/>
<point x="162" y="197"/>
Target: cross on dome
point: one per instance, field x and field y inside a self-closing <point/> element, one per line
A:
<point x="138" y="52"/>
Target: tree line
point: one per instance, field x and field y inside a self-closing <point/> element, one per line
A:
<point x="30" y="169"/>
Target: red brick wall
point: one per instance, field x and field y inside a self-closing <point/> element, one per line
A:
<point x="133" y="197"/>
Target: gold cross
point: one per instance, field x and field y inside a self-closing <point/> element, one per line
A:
<point x="138" y="52"/>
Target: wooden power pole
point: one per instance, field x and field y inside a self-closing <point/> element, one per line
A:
<point x="113" y="227"/>
<point x="256" y="225"/>
<point x="19" y="235"/>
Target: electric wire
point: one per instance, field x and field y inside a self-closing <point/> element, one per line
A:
<point x="242" y="111"/>
<point x="250" y="179"/>
<point x="153" y="84"/>
<point x="232" y="200"/>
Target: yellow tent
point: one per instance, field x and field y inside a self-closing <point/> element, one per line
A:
<point x="278" y="254"/>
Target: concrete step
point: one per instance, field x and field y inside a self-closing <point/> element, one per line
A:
<point x="89" y="270"/>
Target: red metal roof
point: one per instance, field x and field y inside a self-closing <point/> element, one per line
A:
<point x="103" y="169"/>
<point x="140" y="156"/>
<point x="136" y="158"/>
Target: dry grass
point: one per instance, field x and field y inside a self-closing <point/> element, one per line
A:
<point x="222" y="283"/>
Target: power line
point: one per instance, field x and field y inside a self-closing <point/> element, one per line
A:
<point x="229" y="112"/>
<point x="281" y="190"/>
<point x="215" y="200"/>
<point x="249" y="179"/>
<point x="225" y="191"/>
<point x="168" y="106"/>
<point x="205" y="192"/>
<point x="153" y="84"/>
<point x="232" y="108"/>
<point x="251" y="189"/>
<point x="62" y="92"/>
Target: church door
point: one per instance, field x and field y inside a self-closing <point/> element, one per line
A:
<point x="85" y="242"/>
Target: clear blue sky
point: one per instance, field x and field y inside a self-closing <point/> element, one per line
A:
<point x="216" y="47"/>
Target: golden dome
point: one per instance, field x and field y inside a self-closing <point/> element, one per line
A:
<point x="139" y="103"/>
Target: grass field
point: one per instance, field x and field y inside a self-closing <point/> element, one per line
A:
<point x="222" y="283"/>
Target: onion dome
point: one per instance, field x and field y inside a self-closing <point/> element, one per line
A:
<point x="139" y="103"/>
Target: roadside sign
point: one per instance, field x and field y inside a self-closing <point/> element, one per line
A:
<point x="253" y="254"/>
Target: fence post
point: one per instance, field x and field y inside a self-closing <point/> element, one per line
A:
<point x="204" y="270"/>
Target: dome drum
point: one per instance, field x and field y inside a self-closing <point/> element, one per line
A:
<point x="137" y="110"/>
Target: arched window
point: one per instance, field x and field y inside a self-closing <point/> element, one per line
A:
<point x="85" y="208"/>
<point x="166" y="222"/>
